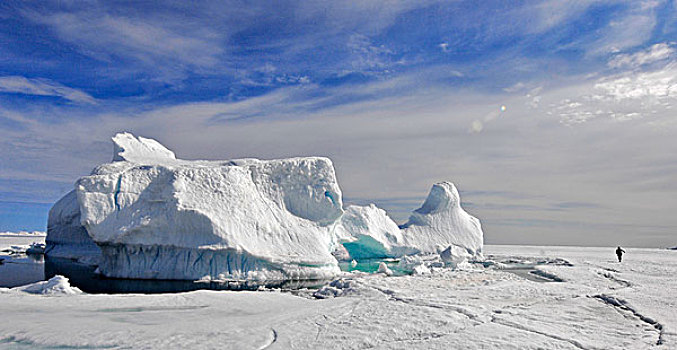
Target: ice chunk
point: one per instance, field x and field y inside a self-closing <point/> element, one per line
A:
<point x="454" y="255"/>
<point x="367" y="232"/>
<point x="383" y="268"/>
<point x="57" y="285"/>
<point x="339" y="287"/>
<point x="441" y="222"/>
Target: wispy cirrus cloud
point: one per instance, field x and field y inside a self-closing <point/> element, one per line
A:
<point x="147" y="41"/>
<point x="44" y="87"/>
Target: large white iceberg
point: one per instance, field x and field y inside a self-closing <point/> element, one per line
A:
<point x="149" y="215"/>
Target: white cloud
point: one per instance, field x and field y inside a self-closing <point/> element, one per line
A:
<point x="625" y="96"/>
<point x="653" y="87"/>
<point x="657" y="52"/>
<point x="43" y="87"/>
<point x="367" y="56"/>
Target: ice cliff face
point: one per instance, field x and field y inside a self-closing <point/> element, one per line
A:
<point x="66" y="237"/>
<point x="150" y="215"/>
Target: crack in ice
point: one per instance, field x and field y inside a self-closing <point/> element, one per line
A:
<point x="271" y="340"/>
<point x="624" y="306"/>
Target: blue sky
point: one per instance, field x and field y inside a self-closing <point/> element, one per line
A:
<point x="556" y="119"/>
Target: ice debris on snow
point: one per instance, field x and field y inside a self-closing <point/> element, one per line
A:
<point x="337" y="288"/>
<point x="57" y="285"/>
<point x="35" y="248"/>
<point x="455" y="255"/>
<point x="383" y="268"/>
<point x="149" y="215"/>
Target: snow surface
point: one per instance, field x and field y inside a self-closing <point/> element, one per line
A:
<point x="149" y="215"/>
<point x="602" y="304"/>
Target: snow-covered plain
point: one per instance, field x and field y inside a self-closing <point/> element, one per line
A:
<point x="601" y="304"/>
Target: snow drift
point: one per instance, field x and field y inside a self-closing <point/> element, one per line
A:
<point x="149" y="215"/>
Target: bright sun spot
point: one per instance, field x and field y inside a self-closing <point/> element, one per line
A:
<point x="503" y="108"/>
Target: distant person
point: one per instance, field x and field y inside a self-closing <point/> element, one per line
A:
<point x="619" y="253"/>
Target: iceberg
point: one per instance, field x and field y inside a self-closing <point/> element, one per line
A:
<point x="149" y="215"/>
<point x="439" y="225"/>
<point x="153" y="216"/>
<point x="441" y="222"/>
<point x="57" y="285"/>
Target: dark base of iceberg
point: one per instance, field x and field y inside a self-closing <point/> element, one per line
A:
<point x="86" y="279"/>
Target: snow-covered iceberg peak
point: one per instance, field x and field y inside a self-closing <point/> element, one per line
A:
<point x="441" y="222"/>
<point x="127" y="147"/>
<point x="443" y="196"/>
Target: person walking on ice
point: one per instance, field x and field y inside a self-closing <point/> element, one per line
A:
<point x="619" y="253"/>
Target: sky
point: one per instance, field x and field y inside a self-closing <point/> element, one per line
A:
<point x="556" y="120"/>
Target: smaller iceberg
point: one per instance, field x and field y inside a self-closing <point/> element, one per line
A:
<point x="439" y="225"/>
<point x="441" y="222"/>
